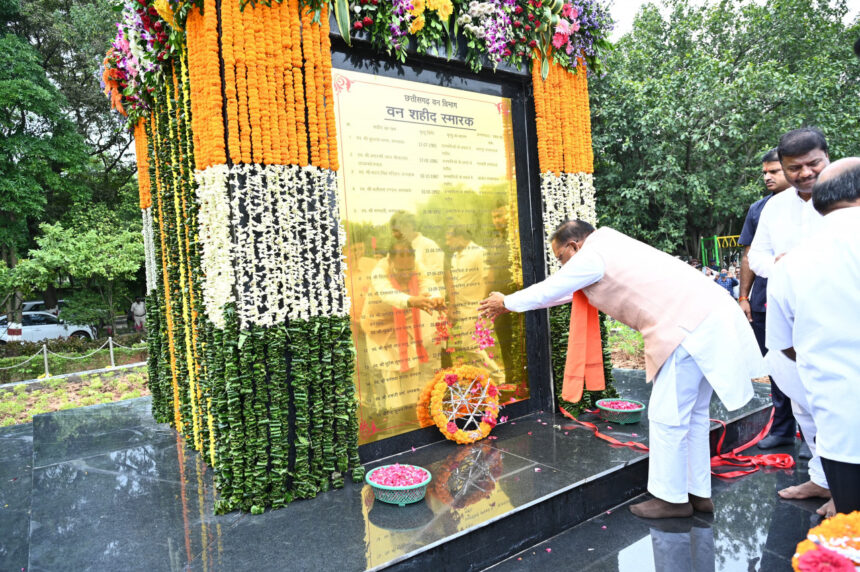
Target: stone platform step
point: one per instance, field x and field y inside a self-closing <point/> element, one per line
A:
<point x="111" y="489"/>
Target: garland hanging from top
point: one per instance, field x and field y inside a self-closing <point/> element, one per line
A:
<point x="566" y="164"/>
<point x="573" y="35"/>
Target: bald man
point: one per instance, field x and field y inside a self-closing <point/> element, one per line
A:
<point x="814" y="319"/>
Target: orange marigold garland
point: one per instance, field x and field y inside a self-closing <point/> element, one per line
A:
<point x="140" y="149"/>
<point x="562" y="119"/>
<point x="299" y="100"/>
<point x="321" y="81"/>
<point x="464" y="403"/>
<point x="832" y="545"/>
<point x="331" y="130"/>
<point x="310" y="86"/>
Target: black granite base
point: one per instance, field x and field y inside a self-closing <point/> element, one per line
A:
<point x="110" y="489"/>
<point x="752" y="529"/>
<point x="16" y="484"/>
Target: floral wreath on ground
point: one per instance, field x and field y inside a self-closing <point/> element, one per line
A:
<point x="464" y="403"/>
<point x="832" y="545"/>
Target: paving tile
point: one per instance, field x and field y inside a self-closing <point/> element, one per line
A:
<point x="146" y="508"/>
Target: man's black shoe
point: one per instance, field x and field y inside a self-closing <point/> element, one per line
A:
<point x="803" y="451"/>
<point x="772" y="441"/>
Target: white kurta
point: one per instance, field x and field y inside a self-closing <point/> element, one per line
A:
<point x="723" y="345"/>
<point x="720" y="354"/>
<point x="430" y="257"/>
<point x="786" y="220"/>
<point x="814" y="306"/>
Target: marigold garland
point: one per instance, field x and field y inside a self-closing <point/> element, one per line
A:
<point x="140" y="150"/>
<point x="464" y="392"/>
<point x="836" y="540"/>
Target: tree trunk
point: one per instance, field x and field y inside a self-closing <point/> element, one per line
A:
<point x="50" y="297"/>
<point x="13" y="304"/>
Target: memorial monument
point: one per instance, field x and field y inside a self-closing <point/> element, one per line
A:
<point x="321" y="218"/>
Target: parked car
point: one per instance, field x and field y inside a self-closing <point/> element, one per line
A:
<point x="39" y="306"/>
<point x="38" y="326"/>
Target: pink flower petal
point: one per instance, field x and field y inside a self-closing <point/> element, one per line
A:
<point x="549" y="549"/>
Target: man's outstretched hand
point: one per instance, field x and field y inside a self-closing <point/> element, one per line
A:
<point x="493" y="306"/>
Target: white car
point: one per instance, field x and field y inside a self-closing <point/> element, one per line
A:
<point x="38" y="326"/>
<point x="38" y="306"/>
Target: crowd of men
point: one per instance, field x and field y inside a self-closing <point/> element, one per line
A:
<point x="698" y="341"/>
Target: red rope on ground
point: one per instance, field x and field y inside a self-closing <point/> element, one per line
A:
<point x="746" y="464"/>
<point x="611" y="440"/>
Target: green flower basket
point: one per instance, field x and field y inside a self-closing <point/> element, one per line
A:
<point x="400" y="496"/>
<point x="621" y="416"/>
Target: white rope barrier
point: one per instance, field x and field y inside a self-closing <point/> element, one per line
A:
<point x="45" y="351"/>
<point x="78" y="357"/>
<point x="116" y="345"/>
<point x="28" y="360"/>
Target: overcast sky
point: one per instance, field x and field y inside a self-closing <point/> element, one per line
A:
<point x="623" y="12"/>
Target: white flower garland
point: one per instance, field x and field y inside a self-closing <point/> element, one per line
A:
<point x="149" y="252"/>
<point x="214" y="235"/>
<point x="285" y="253"/>
<point x="565" y="197"/>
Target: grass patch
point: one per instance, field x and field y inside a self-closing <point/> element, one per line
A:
<point x="19" y="404"/>
<point x="626" y="345"/>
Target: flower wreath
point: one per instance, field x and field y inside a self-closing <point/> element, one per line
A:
<point x="423" y="407"/>
<point x="832" y="545"/>
<point x="466" y="394"/>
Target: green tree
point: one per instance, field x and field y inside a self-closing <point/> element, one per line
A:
<point x="102" y="259"/>
<point x="41" y="152"/>
<point x="71" y="38"/>
<point x="693" y="99"/>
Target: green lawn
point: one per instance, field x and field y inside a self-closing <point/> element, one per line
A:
<point x="19" y="404"/>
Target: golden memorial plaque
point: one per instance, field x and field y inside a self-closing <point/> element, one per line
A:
<point x="428" y="198"/>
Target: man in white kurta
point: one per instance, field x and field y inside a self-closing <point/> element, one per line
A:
<point x="470" y="279"/>
<point x="697" y="341"/>
<point x="787" y="220"/>
<point x="400" y="357"/>
<point x="428" y="255"/>
<point x="814" y="316"/>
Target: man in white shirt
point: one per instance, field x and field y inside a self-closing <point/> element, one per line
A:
<point x="786" y="221"/>
<point x="470" y="280"/>
<point x="753" y="301"/>
<point x="697" y="341"/>
<point x="814" y="318"/>
<point x="394" y="318"/>
<point x="428" y="255"/>
<point x="138" y="312"/>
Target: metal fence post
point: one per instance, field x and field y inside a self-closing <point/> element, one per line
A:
<point x="45" y="355"/>
<point x="110" y="344"/>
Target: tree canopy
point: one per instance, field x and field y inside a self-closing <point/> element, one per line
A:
<point x="695" y="95"/>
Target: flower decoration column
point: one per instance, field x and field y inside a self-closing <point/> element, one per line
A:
<point x="270" y="243"/>
<point x="566" y="163"/>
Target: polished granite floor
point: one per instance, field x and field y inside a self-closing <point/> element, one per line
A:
<point x="752" y="529"/>
<point x="106" y="488"/>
